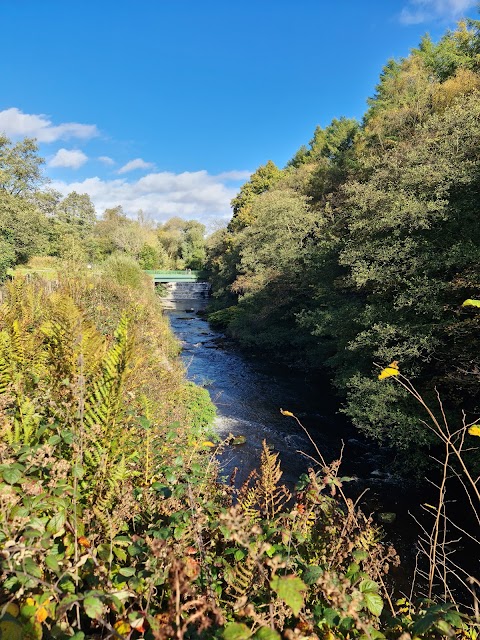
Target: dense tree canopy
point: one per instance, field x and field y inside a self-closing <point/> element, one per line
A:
<point x="364" y="247"/>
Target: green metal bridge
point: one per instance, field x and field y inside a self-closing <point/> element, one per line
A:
<point x="176" y="276"/>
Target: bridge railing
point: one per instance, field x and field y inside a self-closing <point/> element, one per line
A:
<point x="179" y="272"/>
<point x="176" y="275"/>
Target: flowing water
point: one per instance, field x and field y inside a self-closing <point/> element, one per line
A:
<point x="249" y="392"/>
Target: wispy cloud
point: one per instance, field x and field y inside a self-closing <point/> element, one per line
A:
<point x="14" y="123"/>
<point x="71" y="158"/>
<point x="107" y="160"/>
<point x="234" y="175"/>
<point x="418" y="11"/>
<point x="195" y="194"/>
<point x="138" y="163"/>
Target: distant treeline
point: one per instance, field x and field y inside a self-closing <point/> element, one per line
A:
<point x="363" y="248"/>
<point x="36" y="220"/>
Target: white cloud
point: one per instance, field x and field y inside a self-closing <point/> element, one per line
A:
<point x="71" y="158"/>
<point x="107" y="160"/>
<point x="138" y="163"/>
<point x="14" y="123"/>
<point x="234" y="175"/>
<point x="418" y="11"/>
<point x="162" y="195"/>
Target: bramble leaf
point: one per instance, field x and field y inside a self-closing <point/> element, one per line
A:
<point x="93" y="607"/>
<point x="237" y="631"/>
<point x="290" y="589"/>
<point x="373" y="602"/>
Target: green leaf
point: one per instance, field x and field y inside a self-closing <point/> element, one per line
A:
<point x="311" y="574"/>
<point x="290" y="589"/>
<point x="10" y="583"/>
<point x="265" y="633"/>
<point x="454" y="619"/>
<point x="444" y="628"/>
<point x="352" y="570"/>
<point x="422" y="625"/>
<point x="170" y="477"/>
<point x="127" y="571"/>
<point x="67" y="437"/>
<point x="52" y="563"/>
<point x="368" y="585"/>
<point x="120" y="553"/>
<point x="32" y="568"/>
<point x="56" y="523"/>
<point x="236" y="631"/>
<point x="359" y="555"/>
<point x="12" y="475"/>
<point x="373" y="634"/>
<point x="67" y="585"/>
<point x="78" y="471"/>
<point x="146" y="424"/>
<point x="93" y="607"/>
<point x="373" y="602"/>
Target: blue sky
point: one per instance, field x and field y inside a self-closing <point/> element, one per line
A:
<point x="167" y="105"/>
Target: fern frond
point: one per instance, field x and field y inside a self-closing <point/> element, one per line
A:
<point x="105" y="403"/>
<point x="240" y="576"/>
<point x="272" y="497"/>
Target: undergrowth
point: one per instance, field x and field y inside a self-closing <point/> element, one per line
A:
<point x="113" y="521"/>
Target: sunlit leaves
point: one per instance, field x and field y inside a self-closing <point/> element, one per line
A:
<point x="388" y="372"/>
<point x="291" y="590"/>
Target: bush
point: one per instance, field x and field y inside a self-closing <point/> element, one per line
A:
<point x="124" y="270"/>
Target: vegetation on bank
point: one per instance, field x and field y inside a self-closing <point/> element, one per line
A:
<point x="363" y="248"/>
<point x="113" y="520"/>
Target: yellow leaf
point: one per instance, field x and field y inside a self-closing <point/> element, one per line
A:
<point x="41" y="614"/>
<point x="474" y="430"/>
<point x="13" y="609"/>
<point x="207" y="443"/>
<point x="122" y="627"/>
<point x="286" y="413"/>
<point x="471" y="303"/>
<point x="388" y="372"/>
<point x="84" y="542"/>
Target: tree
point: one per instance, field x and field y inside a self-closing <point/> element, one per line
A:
<point x="260" y="181"/>
<point x="23" y="227"/>
<point x="20" y="167"/>
<point x="76" y="214"/>
<point x="193" y="245"/>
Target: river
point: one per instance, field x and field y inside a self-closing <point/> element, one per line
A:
<point x="249" y="392"/>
